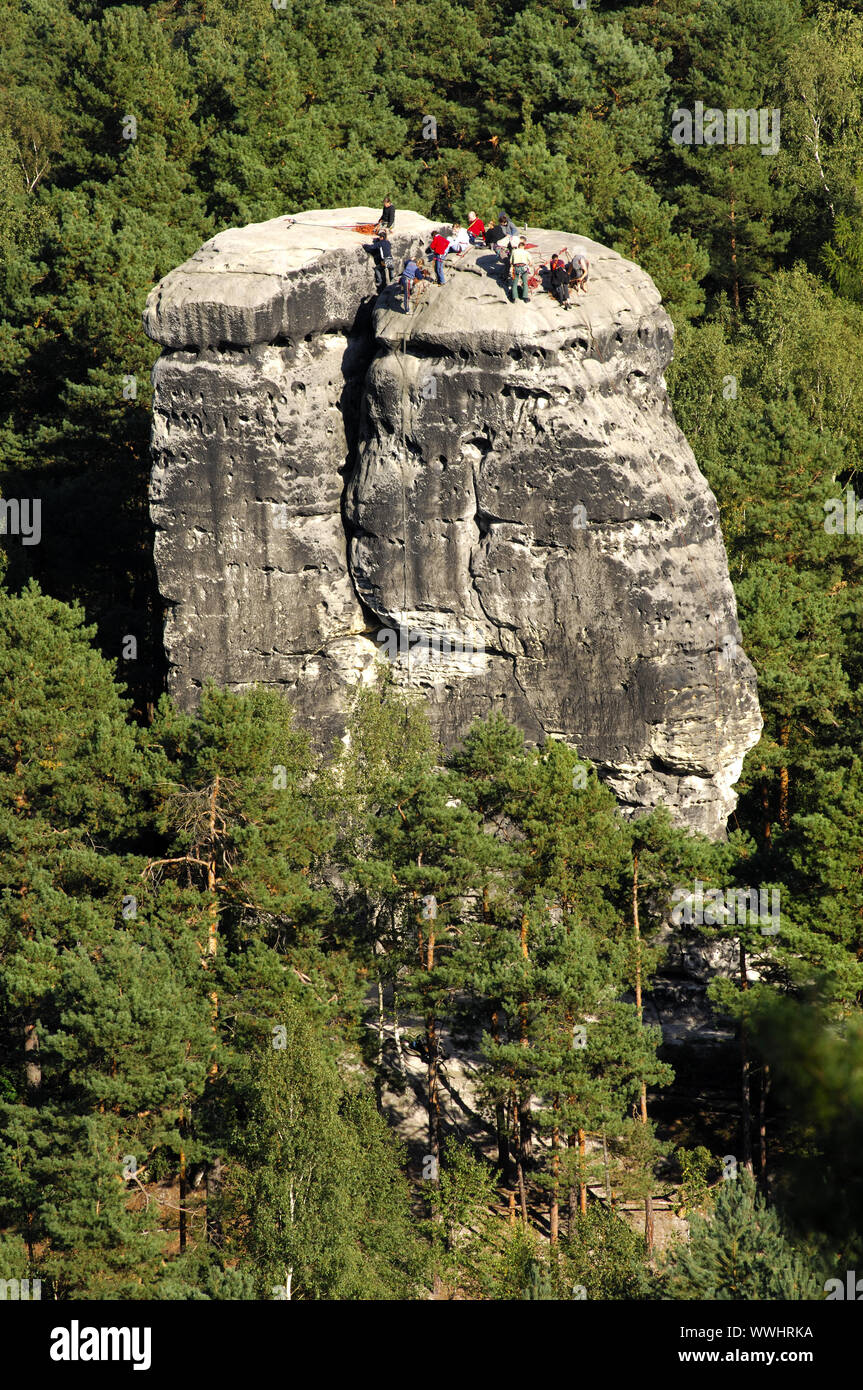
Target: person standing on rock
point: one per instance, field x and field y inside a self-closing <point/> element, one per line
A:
<point x="520" y="266"/>
<point x="501" y="239"/>
<point x="440" y="245"/>
<point x="559" y="280"/>
<point x="387" y="217"/>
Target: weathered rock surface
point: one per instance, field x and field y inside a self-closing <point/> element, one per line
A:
<point x="255" y="414"/>
<point x="499" y="490"/>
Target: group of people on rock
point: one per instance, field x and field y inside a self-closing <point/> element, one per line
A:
<point x="566" y="273"/>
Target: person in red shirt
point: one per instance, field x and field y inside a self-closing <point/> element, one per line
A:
<point x="475" y="228"/>
<point x="439" y="248"/>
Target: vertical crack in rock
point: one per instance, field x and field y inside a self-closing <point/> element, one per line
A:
<point x="506" y="482"/>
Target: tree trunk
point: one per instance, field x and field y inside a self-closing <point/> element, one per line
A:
<point x="181" y="1124"/>
<point x="648" y="1201"/>
<point x="525" y="1119"/>
<point x="432" y="1061"/>
<point x="522" y="1192"/>
<point x="213" y="917"/>
<point x="765" y="807"/>
<point x="379" y="1085"/>
<point x="431" y="1082"/>
<point x="735" y="282"/>
<point x="519" y="1169"/>
<point x="745" y="1110"/>
<point x="637" y="933"/>
<point x="426" y="954"/>
<point x="525" y="1131"/>
<point x="503" y="1154"/>
<point x="762" y="1127"/>
<point x="214" y="1169"/>
<point x="783" y="779"/>
<point x="554" y="1209"/>
<point x="397" y="1034"/>
<point x="582" y="1185"/>
<point x="32" y="1062"/>
<point x="214" y="1192"/>
<point x="33" y="1080"/>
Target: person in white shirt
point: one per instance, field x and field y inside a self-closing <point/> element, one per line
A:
<point x="579" y="267"/>
<point x="521" y="266"/>
<point x="459" y="240"/>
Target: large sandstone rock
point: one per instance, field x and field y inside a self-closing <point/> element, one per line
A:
<point x="256" y="403"/>
<point x="496" y="494"/>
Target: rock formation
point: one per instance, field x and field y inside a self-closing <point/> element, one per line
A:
<point x="495" y="495"/>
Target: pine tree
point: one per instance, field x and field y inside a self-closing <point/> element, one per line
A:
<point x="429" y="853"/>
<point x="388" y="739"/>
<point x="104" y="1038"/>
<point x="242" y="833"/>
<point x="741" y="1253"/>
<point x="815" y="1061"/>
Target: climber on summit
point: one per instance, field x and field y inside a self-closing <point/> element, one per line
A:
<point x="475" y="228"/>
<point x="578" y="269"/>
<point x="520" y="267"/>
<point x="559" y="280"/>
<point x="387" y="218"/>
<point x="494" y="239"/>
<point x="459" y="240"/>
<point x="440" y="245"/>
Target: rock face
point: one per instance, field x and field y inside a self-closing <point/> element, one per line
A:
<point x="494" y="495"/>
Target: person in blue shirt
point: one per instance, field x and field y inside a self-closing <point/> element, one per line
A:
<point x="413" y="271"/>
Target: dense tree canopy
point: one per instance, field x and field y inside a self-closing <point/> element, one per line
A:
<point x="190" y="904"/>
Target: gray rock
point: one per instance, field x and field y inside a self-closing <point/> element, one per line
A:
<point x="496" y="494"/>
<point x="256" y="402"/>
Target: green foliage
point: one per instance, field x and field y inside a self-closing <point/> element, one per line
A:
<point x="816" y="1062"/>
<point x="270" y="891"/>
<point x="466" y="1238"/>
<point x="106" y="1034"/>
<point x="317" y="1201"/>
<point x="606" y="1257"/>
<point x="741" y="1253"/>
<point x="698" y="1168"/>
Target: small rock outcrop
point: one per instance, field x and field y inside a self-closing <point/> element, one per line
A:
<point x="494" y="495"/>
